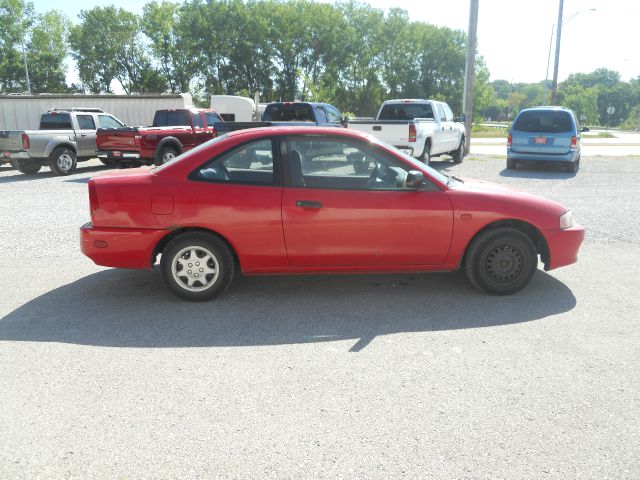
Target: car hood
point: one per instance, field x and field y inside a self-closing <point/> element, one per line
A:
<point x="509" y="202"/>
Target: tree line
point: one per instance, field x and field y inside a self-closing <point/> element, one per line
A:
<point x="348" y="53"/>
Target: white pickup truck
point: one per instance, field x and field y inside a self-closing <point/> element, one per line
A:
<point x="421" y="128"/>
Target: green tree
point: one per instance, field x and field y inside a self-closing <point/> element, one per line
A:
<point x="47" y="51"/>
<point x="15" y="25"/>
<point x="108" y="46"/>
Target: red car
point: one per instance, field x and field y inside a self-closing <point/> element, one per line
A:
<point x="317" y="200"/>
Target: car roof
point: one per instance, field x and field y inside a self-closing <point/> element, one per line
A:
<point x="303" y="130"/>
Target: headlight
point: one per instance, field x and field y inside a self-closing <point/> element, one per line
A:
<point x="566" y="220"/>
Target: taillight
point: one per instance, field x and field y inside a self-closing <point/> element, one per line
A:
<point x="25" y="141"/>
<point x="574" y="142"/>
<point x="509" y="140"/>
<point x="137" y="140"/>
<point x="412" y="132"/>
<point x="93" y="197"/>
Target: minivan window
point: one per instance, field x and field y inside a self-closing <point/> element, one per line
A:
<point x="543" y="121"/>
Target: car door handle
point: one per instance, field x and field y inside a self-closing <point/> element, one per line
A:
<point x="377" y="128"/>
<point x="83" y="134"/>
<point x="308" y="204"/>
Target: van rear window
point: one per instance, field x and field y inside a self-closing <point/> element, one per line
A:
<point x="541" y="121"/>
<point x="55" y="121"/>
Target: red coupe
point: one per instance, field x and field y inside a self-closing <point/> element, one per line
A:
<point x="317" y="200"/>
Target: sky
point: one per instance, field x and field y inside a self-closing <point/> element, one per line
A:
<point x="513" y="35"/>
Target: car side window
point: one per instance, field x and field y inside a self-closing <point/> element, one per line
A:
<point x="334" y="115"/>
<point x="107" y="121"/>
<point x="250" y="163"/>
<point x="212" y="118"/>
<point x="197" y="119"/>
<point x="448" y="113"/>
<point x="85" y="122"/>
<point x="332" y="163"/>
<point x="443" y="117"/>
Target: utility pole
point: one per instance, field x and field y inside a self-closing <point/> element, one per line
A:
<point x="470" y="71"/>
<point x="554" y="86"/>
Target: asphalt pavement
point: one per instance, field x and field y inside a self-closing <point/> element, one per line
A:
<point x="104" y="374"/>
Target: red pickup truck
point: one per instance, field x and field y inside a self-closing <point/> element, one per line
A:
<point x="172" y="133"/>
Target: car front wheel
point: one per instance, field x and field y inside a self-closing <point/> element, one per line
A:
<point x="63" y="161"/>
<point x="501" y="261"/>
<point x="197" y="266"/>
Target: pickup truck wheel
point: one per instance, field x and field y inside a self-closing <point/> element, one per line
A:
<point x="458" y="154"/>
<point x="28" y="167"/>
<point x="106" y="161"/>
<point x="63" y="161"/>
<point x="197" y="266"/>
<point x="501" y="261"/>
<point x="426" y="154"/>
<point x="165" y="154"/>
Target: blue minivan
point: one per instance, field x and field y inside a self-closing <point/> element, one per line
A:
<point x="545" y="134"/>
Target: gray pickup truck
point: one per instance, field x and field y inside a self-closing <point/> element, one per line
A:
<point x="64" y="138"/>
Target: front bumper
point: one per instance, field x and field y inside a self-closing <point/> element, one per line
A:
<point x="563" y="245"/>
<point x="120" y="247"/>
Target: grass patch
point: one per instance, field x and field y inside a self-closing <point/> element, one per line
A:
<point x="489" y="133"/>
<point x="600" y="135"/>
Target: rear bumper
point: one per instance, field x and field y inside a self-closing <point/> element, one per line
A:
<point x="7" y="156"/>
<point x="117" y="155"/>
<point x="563" y="246"/>
<point x="569" y="157"/>
<point x="119" y="247"/>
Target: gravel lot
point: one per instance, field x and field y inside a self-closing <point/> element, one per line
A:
<point x="104" y="374"/>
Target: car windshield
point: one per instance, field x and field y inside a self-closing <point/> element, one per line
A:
<point x="543" y="121"/>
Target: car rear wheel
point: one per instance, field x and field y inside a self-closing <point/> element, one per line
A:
<point x="426" y="153"/>
<point x="501" y="261"/>
<point x="63" y="161"/>
<point x="166" y="154"/>
<point x="28" y="167"/>
<point x="458" y="154"/>
<point x="511" y="164"/>
<point x="197" y="266"/>
<point x="573" y="166"/>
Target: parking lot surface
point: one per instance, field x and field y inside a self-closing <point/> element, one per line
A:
<point x="104" y="374"/>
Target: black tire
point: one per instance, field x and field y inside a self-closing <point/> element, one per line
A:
<point x="28" y="167"/>
<point x="458" y="154"/>
<point x="426" y="153"/>
<point x="63" y="161"/>
<point x="206" y="280"/>
<point x="501" y="261"/>
<point x="573" y="167"/>
<point x="13" y="164"/>
<point x="511" y="164"/>
<point x="165" y="154"/>
<point x="107" y="161"/>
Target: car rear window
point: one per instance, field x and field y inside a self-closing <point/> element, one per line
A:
<point x="298" y="112"/>
<point x="167" y="118"/>
<point x="544" y="122"/>
<point x="406" y="111"/>
<point x="55" y="121"/>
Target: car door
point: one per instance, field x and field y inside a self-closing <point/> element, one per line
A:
<point x="453" y="137"/>
<point x="85" y="135"/>
<point x="350" y="209"/>
<point x="441" y="132"/>
<point x="238" y="194"/>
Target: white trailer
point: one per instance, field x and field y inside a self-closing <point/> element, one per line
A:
<point x="22" y="112"/>
<point x="233" y="108"/>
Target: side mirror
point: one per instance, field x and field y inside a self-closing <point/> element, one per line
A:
<point x="460" y="118"/>
<point x="415" y="179"/>
<point x="584" y="129"/>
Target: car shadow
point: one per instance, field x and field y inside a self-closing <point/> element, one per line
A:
<point x="124" y="308"/>
<point x="542" y="172"/>
<point x="46" y="173"/>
